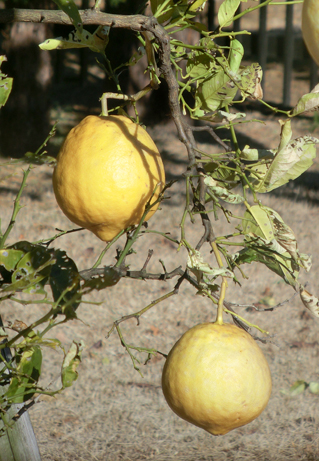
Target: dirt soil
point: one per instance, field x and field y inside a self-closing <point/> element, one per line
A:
<point x="112" y="413"/>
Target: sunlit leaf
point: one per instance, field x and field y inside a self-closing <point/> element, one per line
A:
<point x="5" y="84"/>
<point x="96" y="42"/>
<point x="289" y="162"/>
<point x="309" y="301"/>
<point x="9" y="258"/>
<point x="251" y="77"/>
<point x="70" y="364"/>
<point x="32" y="270"/>
<point x="257" y="154"/>
<point x="227" y="11"/>
<point x="221" y="192"/>
<point x="221" y="116"/>
<point x="236" y="54"/>
<point x="23" y="386"/>
<point x="313" y="387"/>
<point x="199" y="267"/>
<point x="307" y="103"/>
<point x="261" y="226"/>
<point x="297" y="388"/>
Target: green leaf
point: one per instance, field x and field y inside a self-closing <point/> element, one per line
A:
<point x="5" y="84"/>
<point x="236" y="54"/>
<point x="5" y="89"/>
<point x="314" y="387"/>
<point x="307" y="103"/>
<point x="257" y="154"/>
<point x="200" y="268"/>
<point x="166" y="12"/>
<point x="65" y="283"/>
<point x="227" y="11"/>
<point x="256" y="221"/>
<point x="279" y="264"/>
<point x="222" y="192"/>
<point x="23" y="386"/>
<point x="297" y="388"/>
<point x="9" y="258"/>
<point x="215" y="92"/>
<point x="70" y="364"/>
<point x="219" y="117"/>
<point x="289" y="162"/>
<point x="284" y="235"/>
<point x="199" y="65"/>
<point x="225" y="177"/>
<point x="30" y="267"/>
<point x="264" y="229"/>
<point x="70" y="8"/>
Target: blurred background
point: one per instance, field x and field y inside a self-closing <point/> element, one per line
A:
<point x="66" y="85"/>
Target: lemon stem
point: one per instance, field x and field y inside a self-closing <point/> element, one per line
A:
<point x="105" y="112"/>
<point x="224" y="284"/>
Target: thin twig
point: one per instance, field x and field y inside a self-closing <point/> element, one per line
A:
<point x="213" y="134"/>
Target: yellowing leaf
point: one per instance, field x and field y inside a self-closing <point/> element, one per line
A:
<point x="291" y="160"/>
<point x="96" y="42"/>
<point x="297" y="388"/>
<point x="307" y="103"/>
<point x="199" y="267"/>
<point x="314" y="387"/>
<point x="309" y="301"/>
<point x="222" y="192"/>
<point x="70" y="363"/>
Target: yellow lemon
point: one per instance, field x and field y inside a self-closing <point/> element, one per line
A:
<point x="217" y="378"/>
<point x="310" y="27"/>
<point x="106" y="171"/>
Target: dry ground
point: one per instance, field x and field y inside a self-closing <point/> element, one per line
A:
<point x="112" y="413"/>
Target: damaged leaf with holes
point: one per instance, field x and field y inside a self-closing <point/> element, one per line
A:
<point x="65" y="284"/>
<point x="267" y="240"/>
<point x="5" y="84"/>
<point x="27" y="371"/>
<point x="25" y="267"/>
<point x="109" y="278"/>
<point x="291" y="159"/>
<point x="70" y="364"/>
<point x="218" y="88"/>
<point x="97" y="41"/>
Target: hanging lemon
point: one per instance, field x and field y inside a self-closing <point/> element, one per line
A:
<point x="310" y="27"/>
<point x="216" y="377"/>
<point x="106" y="172"/>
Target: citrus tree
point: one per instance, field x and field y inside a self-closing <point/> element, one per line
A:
<point x="207" y="82"/>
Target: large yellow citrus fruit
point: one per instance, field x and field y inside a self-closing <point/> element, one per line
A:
<point x="216" y="377"/>
<point x="107" y="170"/>
<point x="310" y="27"/>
